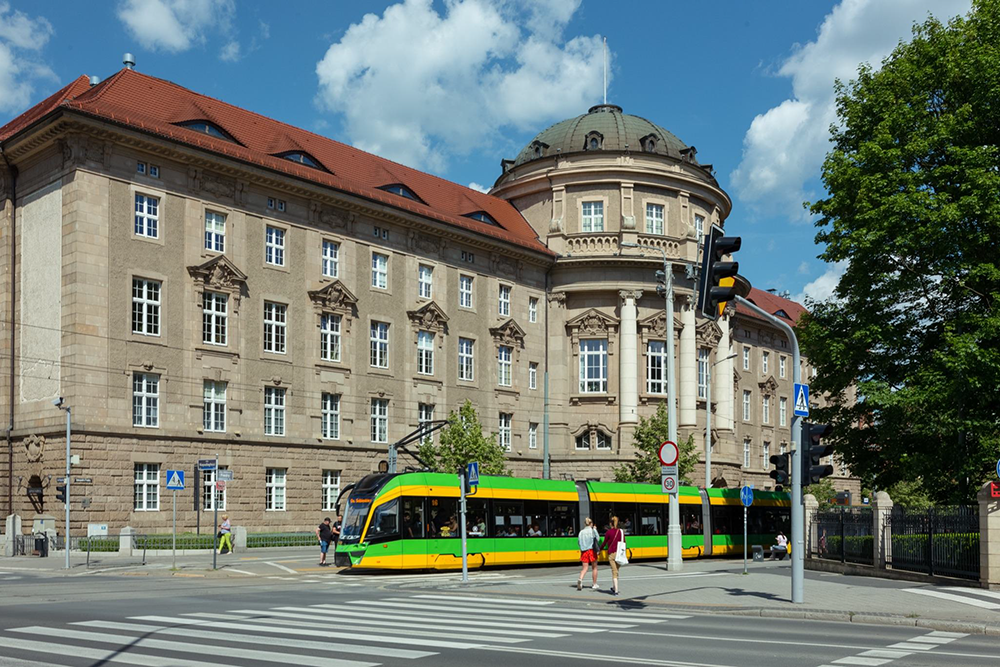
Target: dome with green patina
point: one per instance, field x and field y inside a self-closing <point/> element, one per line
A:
<point x="604" y="128"/>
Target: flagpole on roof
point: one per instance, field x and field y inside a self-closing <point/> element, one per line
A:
<point x="605" y="70"/>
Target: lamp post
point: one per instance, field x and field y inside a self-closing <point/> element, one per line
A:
<point x="708" y="419"/>
<point x="59" y="403"/>
<point x="674" y="561"/>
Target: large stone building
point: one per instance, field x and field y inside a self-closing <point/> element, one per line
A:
<point x="197" y="280"/>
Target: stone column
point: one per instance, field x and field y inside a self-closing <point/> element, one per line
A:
<point x="723" y="379"/>
<point x="989" y="538"/>
<point x="882" y="529"/>
<point x="812" y="540"/>
<point x="125" y="541"/>
<point x="628" y="360"/>
<point x="688" y="386"/>
<point x="12" y="530"/>
<point x="239" y="537"/>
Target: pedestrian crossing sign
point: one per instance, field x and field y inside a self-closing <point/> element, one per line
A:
<point x="175" y="480"/>
<point x="801" y="407"/>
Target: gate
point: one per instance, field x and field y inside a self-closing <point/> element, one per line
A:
<point x="937" y="541"/>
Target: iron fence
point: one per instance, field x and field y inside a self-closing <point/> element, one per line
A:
<point x="937" y="541"/>
<point x="844" y="534"/>
<point x="263" y="540"/>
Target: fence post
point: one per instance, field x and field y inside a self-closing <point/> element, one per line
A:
<point x="811" y="506"/>
<point x="13" y="529"/>
<point x="930" y="541"/>
<point x="239" y="537"/>
<point x="882" y="530"/>
<point x="843" y="538"/>
<point x="125" y="542"/>
<point x="989" y="537"/>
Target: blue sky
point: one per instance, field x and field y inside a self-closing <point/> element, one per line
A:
<point x="453" y="86"/>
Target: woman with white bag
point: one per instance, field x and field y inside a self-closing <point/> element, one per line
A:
<point x="614" y="543"/>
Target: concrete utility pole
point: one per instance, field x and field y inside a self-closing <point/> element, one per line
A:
<point x="708" y="419"/>
<point x="798" y="515"/>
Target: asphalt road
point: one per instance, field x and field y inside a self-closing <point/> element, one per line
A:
<point x="340" y="621"/>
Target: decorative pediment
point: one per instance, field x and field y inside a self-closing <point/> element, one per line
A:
<point x="508" y="333"/>
<point x="709" y="334"/>
<point x="656" y="325"/>
<point x="219" y="273"/>
<point x="592" y="323"/>
<point x="428" y="317"/>
<point x="768" y="387"/>
<point x="334" y="297"/>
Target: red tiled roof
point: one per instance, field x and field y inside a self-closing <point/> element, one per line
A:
<point x="156" y="106"/>
<point x="773" y="304"/>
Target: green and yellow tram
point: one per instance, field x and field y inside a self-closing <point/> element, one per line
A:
<point x="410" y="520"/>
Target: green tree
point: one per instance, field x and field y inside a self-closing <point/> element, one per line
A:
<point x="910" y="495"/>
<point x="461" y="442"/>
<point x="912" y="213"/>
<point x="648" y="436"/>
<point x="823" y="491"/>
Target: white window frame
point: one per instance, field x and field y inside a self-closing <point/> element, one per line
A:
<point x="329" y="416"/>
<point x="146" y="400"/>
<point x="210" y="494"/>
<point x="532" y="436"/>
<point x="215" y="318"/>
<point x="146" y="306"/>
<point x="765" y="412"/>
<point x="533" y="375"/>
<point x="533" y="310"/>
<point x="765" y="359"/>
<point x="746" y="358"/>
<point x="425" y="281"/>
<point x="275" y="485"/>
<point x="330" y="490"/>
<point x="656" y="363"/>
<point x="215" y="231"/>
<point x="380" y="420"/>
<point x="654" y="218"/>
<point x="781" y="366"/>
<point x="747" y="397"/>
<point x="765" y="456"/>
<point x="274" y="245"/>
<point x="585" y="439"/>
<point x="466" y="359"/>
<point x="378" y="339"/>
<point x="331" y="259"/>
<point x="465" y="284"/>
<point x="275" y="327"/>
<point x="504" y="431"/>
<point x="214" y="406"/>
<point x="592" y="216"/>
<point x="146" y="487"/>
<point x="380" y="270"/>
<point x="699" y="227"/>
<point x="782" y="411"/>
<point x="505" y="364"/>
<point x="329" y="337"/>
<point x="425" y="353"/>
<point x="703" y="360"/>
<point x="593" y="349"/>
<point x="746" y="453"/>
<point x="602" y="440"/>
<point x="147" y="216"/>
<point x="274" y="411"/>
<point x="503" y="300"/>
<point x="425" y="413"/>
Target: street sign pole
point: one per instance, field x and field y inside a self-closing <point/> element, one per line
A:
<point x="215" y="513"/>
<point x="173" y="542"/>
<point x="465" y="549"/>
<point x="175" y="483"/>
<point x="744" y="539"/>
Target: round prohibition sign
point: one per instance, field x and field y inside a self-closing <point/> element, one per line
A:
<point x="668" y="484"/>
<point x="669" y="453"/>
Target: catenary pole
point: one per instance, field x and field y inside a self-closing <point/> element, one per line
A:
<point x="462" y="482"/>
<point x="69" y="412"/>
<point x="215" y="511"/>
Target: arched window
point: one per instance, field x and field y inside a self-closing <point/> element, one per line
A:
<point x="594" y="141"/>
<point x="402" y="191"/>
<point x="482" y="216"/>
<point x="208" y="128"/>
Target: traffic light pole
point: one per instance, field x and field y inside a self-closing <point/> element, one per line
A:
<point x="798" y="515"/>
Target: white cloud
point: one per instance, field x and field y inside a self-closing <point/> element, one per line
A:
<point x="21" y="37"/>
<point x="176" y="25"/>
<point x="479" y="188"/>
<point x="824" y="287"/>
<point x="784" y="147"/>
<point x="230" y="52"/>
<point x="804" y="269"/>
<point x="418" y="86"/>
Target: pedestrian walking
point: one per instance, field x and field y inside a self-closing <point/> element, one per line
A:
<point x="612" y="539"/>
<point x="324" y="533"/>
<point x="225" y="535"/>
<point x="590" y="547"/>
<point x="337" y="525"/>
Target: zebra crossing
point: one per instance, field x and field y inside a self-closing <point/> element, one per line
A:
<point x="355" y="633"/>
<point x="924" y="641"/>
<point x="973" y="597"/>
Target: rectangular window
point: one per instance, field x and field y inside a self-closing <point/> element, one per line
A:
<point x="281" y="205"/>
<point x="532" y="436"/>
<point x="504" y="431"/>
<point x="274" y="411"/>
<point x="466" y="362"/>
<point x="379" y="342"/>
<point x="654" y="219"/>
<point x="782" y="411"/>
<point x="146" y="400"/>
<point x="214" y="318"/>
<point x="766" y="410"/>
<point x="594" y="366"/>
<point x="765" y="456"/>
<point x="215" y="232"/>
<point x="275" y="325"/>
<point x="380" y="420"/>
<point x="532" y="375"/>
<point x="746" y="358"/>
<point x="331" y="259"/>
<point x="656" y="368"/>
<point x="765" y="358"/>
<point x="208" y="498"/>
<point x="425" y="281"/>
<point x="746" y="453"/>
<point x="425" y="413"/>
<point x="147" y="487"/>
<point x="331" y="489"/>
<point x="274" y="246"/>
<point x="147" y="216"/>
<point x="146" y="307"/>
<point x="533" y="310"/>
<point x="503" y="301"/>
<point x="593" y="216"/>
<point x="214" y="406"/>
<point x="425" y="353"/>
<point x="274" y="489"/>
<point x="699" y="227"/>
<point x="329" y="337"/>
<point x="380" y="271"/>
<point x="703" y="373"/>
<point x="746" y="405"/>
<point x="154" y="171"/>
<point x="504" y="356"/>
<point x="140" y="167"/>
<point x="465" y="291"/>
<point x="781" y="366"/>
<point x="330" y="417"/>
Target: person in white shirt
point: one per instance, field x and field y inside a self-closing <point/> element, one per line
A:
<point x="781" y="548"/>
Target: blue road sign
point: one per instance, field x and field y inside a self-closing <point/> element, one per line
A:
<point x="175" y="480"/>
<point x="801" y="403"/>
<point x="206" y="464"/>
<point x="473" y="473"/>
<point x="746" y="496"/>
<point x="998" y="468"/>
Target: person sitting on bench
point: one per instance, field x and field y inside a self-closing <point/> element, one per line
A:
<point x="780" y="549"/>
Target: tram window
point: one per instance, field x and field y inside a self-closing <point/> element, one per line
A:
<point x="536" y="518"/>
<point x="724" y="519"/>
<point x="691" y="520"/>
<point x="443" y="521"/>
<point x="562" y="520"/>
<point x="413" y="518"/>
<point x="384" y="521"/>
<point x="507" y="519"/>
<point x="649" y="520"/>
<point x="475" y="518"/>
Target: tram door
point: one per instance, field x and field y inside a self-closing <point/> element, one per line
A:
<point x="508" y="531"/>
<point x="412" y="531"/>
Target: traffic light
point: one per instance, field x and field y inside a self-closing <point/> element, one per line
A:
<point x="782" y="469"/>
<point x="814" y="451"/>
<point x="717" y="284"/>
<point x="61" y="493"/>
<point x="661" y="284"/>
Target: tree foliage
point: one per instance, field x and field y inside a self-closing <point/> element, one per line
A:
<point x="913" y="211"/>
<point x="910" y="495"/>
<point x="823" y="491"/>
<point x="461" y="442"/>
<point x="648" y="436"/>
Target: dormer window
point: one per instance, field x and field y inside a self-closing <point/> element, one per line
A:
<point x="648" y="143"/>
<point x="301" y="158"/>
<point x="402" y="191"/>
<point x="482" y="216"/>
<point x="538" y="148"/>
<point x="210" y="129"/>
<point x="782" y="313"/>
<point x="594" y="141"/>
